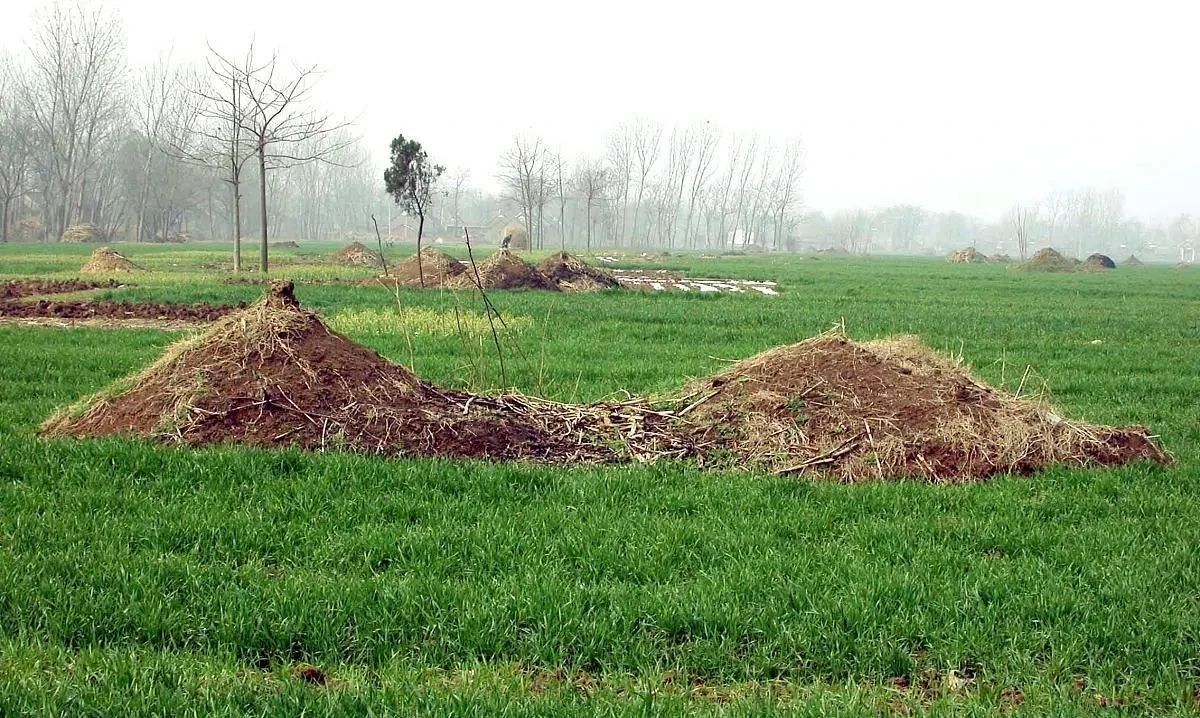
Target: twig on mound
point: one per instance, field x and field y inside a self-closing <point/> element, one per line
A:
<point x="379" y="239"/>
<point x="489" y="308"/>
<point x="826" y="458"/>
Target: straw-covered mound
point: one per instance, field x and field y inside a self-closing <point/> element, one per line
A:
<point x="1049" y="259"/>
<point x="573" y="275"/>
<point x="275" y="375"/>
<point x="505" y="270"/>
<point x="1132" y="261"/>
<point x="80" y="233"/>
<point x="356" y="254"/>
<point x="107" y="260"/>
<point x="967" y="255"/>
<point x="889" y="409"/>
<point x="438" y="268"/>
<point x="1000" y="259"/>
<point x="1097" y="263"/>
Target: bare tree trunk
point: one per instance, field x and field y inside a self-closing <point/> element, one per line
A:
<point x="589" y="227"/>
<point x="420" y="234"/>
<point x="236" y="184"/>
<point x="262" y="199"/>
<point x="4" y="221"/>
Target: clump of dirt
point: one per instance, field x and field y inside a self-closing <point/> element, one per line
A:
<point x="573" y="275"/>
<point x="289" y="244"/>
<point x="275" y="375"/>
<point x="505" y="270"/>
<point x="1132" y="261"/>
<point x="1097" y="263"/>
<point x="356" y="254"/>
<point x="107" y="260"/>
<point x="1049" y="259"/>
<point x="967" y="255"/>
<point x="889" y="409"/>
<point x="80" y="233"/>
<point x="437" y="267"/>
<point x="114" y="310"/>
<point x="1000" y="259"/>
<point x="17" y="288"/>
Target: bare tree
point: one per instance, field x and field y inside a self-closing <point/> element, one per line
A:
<point x="162" y="108"/>
<point x="785" y="194"/>
<point x="73" y="92"/>
<point x="15" y="138"/>
<point x="521" y="175"/>
<point x="620" y="159"/>
<point x="459" y="181"/>
<point x="1021" y="218"/>
<point x="647" y="142"/>
<point x="590" y="182"/>
<point x="679" y="159"/>
<point x="707" y="139"/>
<point x="283" y="130"/>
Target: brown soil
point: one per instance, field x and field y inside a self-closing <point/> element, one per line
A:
<point x="890" y="409"/>
<point x="573" y="275"/>
<point x="114" y="310"/>
<point x="1049" y="259"/>
<point x="1132" y="261"/>
<point x="438" y="268"/>
<point x="967" y="255"/>
<point x="17" y="288"/>
<point x="275" y="375"/>
<point x="107" y="260"/>
<point x="505" y="270"/>
<point x="357" y="254"/>
<point x="285" y="245"/>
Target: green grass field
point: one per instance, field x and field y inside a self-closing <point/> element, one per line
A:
<point x="137" y="579"/>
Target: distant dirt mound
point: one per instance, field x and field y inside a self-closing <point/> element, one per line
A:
<point x="106" y="260"/>
<point x="17" y="288"/>
<point x="276" y="375"/>
<point x="289" y="244"/>
<point x="889" y="409"/>
<point x="439" y="269"/>
<point x="505" y="270"/>
<point x="356" y="254"/>
<point x="967" y="255"/>
<point x="573" y="275"/>
<point x="1050" y="260"/>
<point x="1132" y="261"/>
<point x="1097" y="263"/>
<point x="1000" y="259"/>
<point x="80" y="233"/>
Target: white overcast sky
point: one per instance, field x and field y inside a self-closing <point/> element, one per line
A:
<point x="952" y="105"/>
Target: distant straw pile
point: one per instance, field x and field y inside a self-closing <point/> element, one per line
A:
<point x="967" y="255"/>
<point x="356" y="254"/>
<point x="107" y="260"/>
<point x="573" y="275"/>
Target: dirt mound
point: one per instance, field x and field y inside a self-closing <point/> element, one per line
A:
<point x="505" y="270"/>
<point x="967" y="255"/>
<point x="1049" y="259"/>
<point x="275" y="375"/>
<point x="80" y="233"/>
<point x="289" y="244"/>
<point x="356" y="254"/>
<point x="889" y="409"/>
<point x="17" y="288"/>
<point x="114" y="310"/>
<point x="107" y="260"/>
<point x="1000" y="259"/>
<point x="1097" y="263"/>
<point x="1132" y="261"/>
<point x="438" y="267"/>
<point x="573" y="275"/>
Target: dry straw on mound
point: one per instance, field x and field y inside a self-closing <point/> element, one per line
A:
<point x="890" y="408"/>
<point x="356" y="254"/>
<point x="999" y="259"/>
<point x="1049" y="259"/>
<point x="106" y="260"/>
<point x="505" y="270"/>
<point x="80" y="233"/>
<point x="967" y="255"/>
<point x="573" y="275"/>
<point x="437" y="267"/>
<point x="275" y="375"/>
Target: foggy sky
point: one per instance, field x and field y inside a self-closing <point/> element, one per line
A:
<point x="962" y="106"/>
